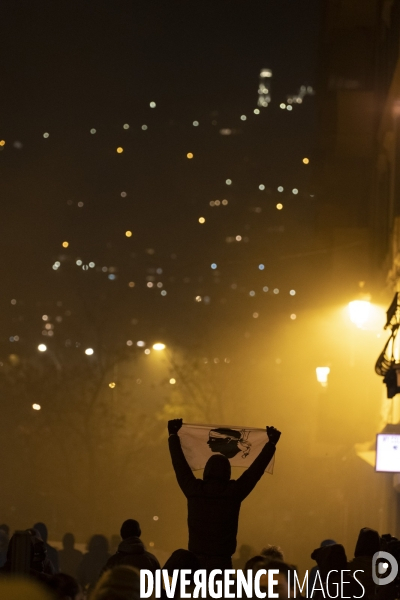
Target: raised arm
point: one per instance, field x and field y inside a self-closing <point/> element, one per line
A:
<point x="183" y="472"/>
<point x="248" y="480"/>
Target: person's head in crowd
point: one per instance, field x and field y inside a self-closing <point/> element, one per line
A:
<point x="13" y="588"/>
<point x="218" y="468"/>
<point x="327" y="542"/>
<point x="6" y="529"/>
<point x="68" y="541"/>
<point x="32" y="547"/>
<point x="330" y="558"/>
<point x="182" y="559"/>
<point x="120" y="583"/>
<point x="281" y="587"/>
<point x="368" y="542"/>
<point x="66" y="587"/>
<point x="42" y="530"/>
<point x="255" y="563"/>
<point x="272" y="552"/>
<point x="130" y="528"/>
<point x="98" y="545"/>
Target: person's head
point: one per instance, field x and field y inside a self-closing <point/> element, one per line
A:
<point x="3" y="541"/>
<point x="182" y="559"/>
<point x="68" y="541"/>
<point x="29" y="544"/>
<point x="6" y="529"/>
<point x="98" y="544"/>
<point x="224" y="441"/>
<point x="130" y="528"/>
<point x="218" y="468"/>
<point x="368" y="542"/>
<point x="329" y="558"/>
<point x="66" y="587"/>
<point x="120" y="583"/>
<point x="255" y="563"/>
<point x="42" y="530"/>
<point x="281" y="577"/>
<point x="272" y="552"/>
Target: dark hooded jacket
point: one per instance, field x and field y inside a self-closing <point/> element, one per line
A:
<point x="131" y="551"/>
<point x="367" y="544"/>
<point x="214" y="501"/>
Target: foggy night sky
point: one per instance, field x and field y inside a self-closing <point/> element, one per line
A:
<point x="74" y="66"/>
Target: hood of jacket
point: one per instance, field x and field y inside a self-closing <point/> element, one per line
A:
<point x="218" y="468"/>
<point x="131" y="545"/>
<point x="368" y="542"/>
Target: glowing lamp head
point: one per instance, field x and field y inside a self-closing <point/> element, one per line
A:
<point x="42" y="347"/>
<point x="89" y="351"/>
<point x="36" y="406"/>
<point x="322" y="375"/>
<point x="359" y="312"/>
<point x="159" y="346"/>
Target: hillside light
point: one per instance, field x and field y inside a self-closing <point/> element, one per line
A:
<point x="322" y="375"/>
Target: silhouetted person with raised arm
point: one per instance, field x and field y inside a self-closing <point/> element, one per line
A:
<point x="214" y="501"/>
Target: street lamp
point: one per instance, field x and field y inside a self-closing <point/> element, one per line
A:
<point x="359" y="312"/>
<point x="159" y="346"/>
<point x="322" y="375"/>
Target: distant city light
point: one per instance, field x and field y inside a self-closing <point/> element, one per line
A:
<point x="46" y="135"/>
<point x="289" y="107"/>
<point x="261" y="267"/>
<point x="243" y="118"/>
<point x="36" y="406"/>
<point x="131" y="284"/>
<point x="280" y="189"/>
<point x="159" y="346"/>
<point x="111" y="276"/>
<point x="261" y="187"/>
<point x="42" y="347"/>
<point x="279" y="206"/>
<point x="198" y="298"/>
<point x="282" y="105"/>
<point x="152" y="105"/>
<point x="111" y="385"/>
<point x="256" y="111"/>
<point x="120" y="150"/>
<point x="189" y="155"/>
<point x="306" y="161"/>
<point x="65" y="244"/>
<point x="224" y="202"/>
<point x="147" y="351"/>
<point x="228" y="182"/>
<point x="128" y="233"/>
<point x="123" y="194"/>
<point x="213" y="265"/>
<point x="92" y="131"/>
<point x="141" y="343"/>
<point x="89" y="351"/>
<point x="322" y="375"/>
<point x="202" y="220"/>
<point x="195" y="123"/>
<point x="144" y="127"/>
<point x="163" y="293"/>
<point x="172" y="381"/>
<point x="255" y="315"/>
<point x="293" y="316"/>
<point x="276" y="291"/>
<point x="126" y="126"/>
<point x="252" y="293"/>
<point x="129" y="343"/>
<point x="265" y="288"/>
<point x="295" y="191"/>
<point x="292" y="292"/>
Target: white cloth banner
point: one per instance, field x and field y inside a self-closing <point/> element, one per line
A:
<point x="241" y="445"/>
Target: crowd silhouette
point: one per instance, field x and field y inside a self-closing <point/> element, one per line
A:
<point x="31" y="569"/>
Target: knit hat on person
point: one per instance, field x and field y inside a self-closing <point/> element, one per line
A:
<point x="130" y="528"/>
